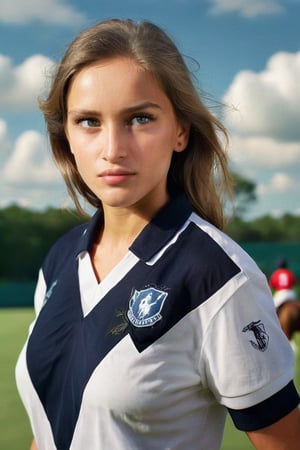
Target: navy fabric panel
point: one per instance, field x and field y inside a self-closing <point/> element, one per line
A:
<point x="51" y="349"/>
<point x="267" y="412"/>
<point x="69" y="246"/>
<point x="190" y="271"/>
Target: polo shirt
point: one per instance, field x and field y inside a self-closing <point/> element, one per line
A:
<point x="182" y="330"/>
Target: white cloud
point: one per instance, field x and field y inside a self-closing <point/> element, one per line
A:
<point x="30" y="163"/>
<point x="278" y="184"/>
<point x="3" y="131"/>
<point x="4" y="141"/>
<point x="264" y="124"/>
<point x="47" y="11"/>
<point x="20" y="86"/>
<point x="278" y="195"/>
<point x="247" y="8"/>
<point x="28" y="175"/>
<point x="263" y="152"/>
<point x="267" y="103"/>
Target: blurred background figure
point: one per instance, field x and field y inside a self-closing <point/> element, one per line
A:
<point x="283" y="282"/>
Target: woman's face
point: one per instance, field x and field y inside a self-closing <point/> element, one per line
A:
<point x="122" y="131"/>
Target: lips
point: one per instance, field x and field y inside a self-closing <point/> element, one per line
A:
<point x="115" y="176"/>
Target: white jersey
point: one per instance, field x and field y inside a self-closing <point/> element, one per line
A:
<point x="183" y="329"/>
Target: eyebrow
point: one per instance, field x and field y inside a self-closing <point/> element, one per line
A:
<point x="140" y="106"/>
<point x="130" y="109"/>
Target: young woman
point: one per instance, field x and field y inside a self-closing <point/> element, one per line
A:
<point x="151" y="322"/>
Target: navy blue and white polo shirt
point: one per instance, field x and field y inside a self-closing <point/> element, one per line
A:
<point x="180" y="331"/>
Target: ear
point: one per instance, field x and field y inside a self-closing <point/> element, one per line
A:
<point x="183" y="134"/>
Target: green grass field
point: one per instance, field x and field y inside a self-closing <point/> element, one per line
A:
<point x="14" y="426"/>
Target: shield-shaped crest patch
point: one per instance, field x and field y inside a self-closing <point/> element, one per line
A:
<point x="145" y="307"/>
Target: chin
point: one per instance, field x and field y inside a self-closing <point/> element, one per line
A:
<point x="117" y="202"/>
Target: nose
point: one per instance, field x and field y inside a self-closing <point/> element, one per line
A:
<point x="114" y="143"/>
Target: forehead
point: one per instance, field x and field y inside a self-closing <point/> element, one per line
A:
<point x="122" y="78"/>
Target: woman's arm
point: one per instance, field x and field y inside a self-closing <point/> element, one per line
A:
<point x="282" y="435"/>
<point x="33" y="445"/>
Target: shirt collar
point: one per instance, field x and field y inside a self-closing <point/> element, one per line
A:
<point x="90" y="232"/>
<point x="153" y="237"/>
<point x="162" y="228"/>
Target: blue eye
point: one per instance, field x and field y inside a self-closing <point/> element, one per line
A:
<point x="88" y="122"/>
<point x="141" y="119"/>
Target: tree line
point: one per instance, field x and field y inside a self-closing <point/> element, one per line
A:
<point x="27" y="235"/>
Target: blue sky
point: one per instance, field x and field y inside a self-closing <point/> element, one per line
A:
<point x="249" y="58"/>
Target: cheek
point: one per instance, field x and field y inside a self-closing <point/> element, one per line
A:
<point x="82" y="162"/>
<point x="166" y="144"/>
<point x="81" y="158"/>
<point x="81" y="148"/>
<point x="169" y="138"/>
<point x="77" y="139"/>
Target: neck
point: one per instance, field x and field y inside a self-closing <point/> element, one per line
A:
<point x="124" y="224"/>
<point x="117" y="235"/>
<point x="122" y="227"/>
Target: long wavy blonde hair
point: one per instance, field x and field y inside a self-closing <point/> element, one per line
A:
<point x="201" y="171"/>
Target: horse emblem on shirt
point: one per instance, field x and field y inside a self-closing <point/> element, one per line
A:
<point x="145" y="307"/>
<point x="260" y="334"/>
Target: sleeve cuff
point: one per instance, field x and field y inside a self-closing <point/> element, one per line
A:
<point x="267" y="412"/>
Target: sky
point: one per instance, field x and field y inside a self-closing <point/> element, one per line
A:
<point x="248" y="59"/>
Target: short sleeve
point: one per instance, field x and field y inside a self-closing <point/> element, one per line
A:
<point x="246" y="358"/>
